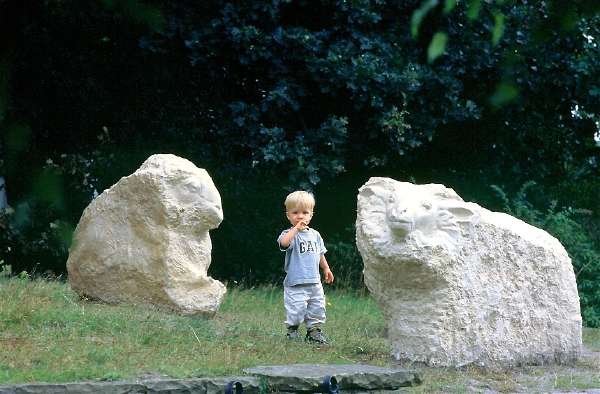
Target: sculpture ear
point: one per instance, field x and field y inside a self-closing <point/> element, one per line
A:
<point x="374" y="193"/>
<point x="375" y="186"/>
<point x="462" y="212"/>
<point x="367" y="191"/>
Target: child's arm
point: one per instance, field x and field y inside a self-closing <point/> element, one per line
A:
<point x="287" y="238"/>
<point x="326" y="271"/>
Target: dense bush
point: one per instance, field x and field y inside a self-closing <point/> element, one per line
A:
<point x="273" y="96"/>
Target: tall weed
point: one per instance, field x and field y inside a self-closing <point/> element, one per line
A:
<point x="347" y="262"/>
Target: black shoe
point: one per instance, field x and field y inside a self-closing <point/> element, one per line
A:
<point x="315" y="335"/>
<point x="292" y="332"/>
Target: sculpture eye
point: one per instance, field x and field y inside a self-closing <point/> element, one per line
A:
<point x="426" y="205"/>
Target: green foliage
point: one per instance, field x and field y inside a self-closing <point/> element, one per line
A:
<point x="292" y="87"/>
<point x="449" y="5"/>
<point x="565" y="224"/>
<point x="295" y="94"/>
<point x="473" y="9"/>
<point x="36" y="231"/>
<point x="505" y="93"/>
<point x="420" y="13"/>
<point x="437" y="46"/>
<point x="33" y="245"/>
<point x="498" y="28"/>
<point x="138" y="12"/>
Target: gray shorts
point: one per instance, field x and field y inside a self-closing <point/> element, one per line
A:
<point x="304" y="303"/>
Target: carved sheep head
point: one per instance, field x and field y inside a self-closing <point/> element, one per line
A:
<point x="391" y="212"/>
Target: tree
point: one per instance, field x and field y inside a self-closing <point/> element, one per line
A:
<point x="272" y="96"/>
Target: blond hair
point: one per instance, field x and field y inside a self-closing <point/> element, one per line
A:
<point x="299" y="199"/>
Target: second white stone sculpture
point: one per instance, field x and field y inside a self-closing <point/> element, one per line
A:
<point x="459" y="284"/>
<point x="145" y="240"/>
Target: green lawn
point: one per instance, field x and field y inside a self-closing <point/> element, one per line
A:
<point x="47" y="334"/>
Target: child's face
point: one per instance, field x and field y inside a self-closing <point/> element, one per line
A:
<point x="299" y="214"/>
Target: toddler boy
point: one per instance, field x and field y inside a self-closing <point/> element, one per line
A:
<point x="304" y="249"/>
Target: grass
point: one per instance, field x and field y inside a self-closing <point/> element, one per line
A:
<point x="47" y="334"/>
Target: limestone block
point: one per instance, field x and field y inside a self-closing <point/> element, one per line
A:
<point x="214" y="385"/>
<point x="308" y="378"/>
<point x="459" y="284"/>
<point x="145" y="240"/>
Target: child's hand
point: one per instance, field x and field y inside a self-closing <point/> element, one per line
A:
<point x="328" y="276"/>
<point x="301" y="225"/>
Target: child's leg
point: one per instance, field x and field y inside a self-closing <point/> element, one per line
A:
<point x="294" y="300"/>
<point x="315" y="309"/>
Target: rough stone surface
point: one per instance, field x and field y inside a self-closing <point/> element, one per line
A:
<point x="459" y="284"/>
<point x="172" y="386"/>
<point x="352" y="377"/>
<point x="298" y="378"/>
<point x="145" y="240"/>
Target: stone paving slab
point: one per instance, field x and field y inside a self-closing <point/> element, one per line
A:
<point x="297" y="378"/>
<point x="171" y="386"/>
<point x="350" y="377"/>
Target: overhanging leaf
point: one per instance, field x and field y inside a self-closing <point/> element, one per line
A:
<point x="505" y="92"/>
<point x="437" y="46"/>
<point x="419" y="15"/>
<point x="473" y="8"/>
<point x="449" y="5"/>
<point x="498" y="31"/>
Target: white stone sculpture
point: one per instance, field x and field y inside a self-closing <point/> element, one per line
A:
<point x="145" y="240"/>
<point x="459" y="284"/>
